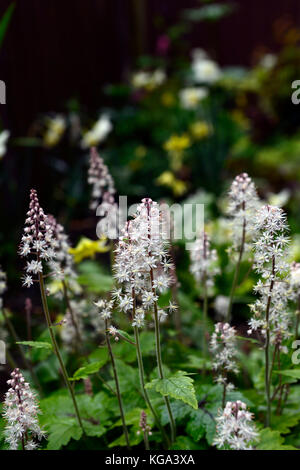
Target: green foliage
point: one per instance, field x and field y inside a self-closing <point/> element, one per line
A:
<point x="179" y="386"/>
<point x="84" y="371"/>
<point x="5" y="20"/>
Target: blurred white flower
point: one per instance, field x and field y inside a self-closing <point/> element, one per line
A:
<point x="205" y="70"/>
<point x="98" y="132"/>
<point x="4" y="136"/>
<point x="191" y="97"/>
<point x="268" y="61"/>
<point x="221" y="305"/>
<point x="280" y="199"/>
<point x="148" y="80"/>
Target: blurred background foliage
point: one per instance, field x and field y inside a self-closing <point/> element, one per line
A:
<point x="158" y="136"/>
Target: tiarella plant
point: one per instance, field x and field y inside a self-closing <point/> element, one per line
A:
<point x="224" y="351"/>
<point x="270" y="311"/>
<point x="243" y="203"/>
<point x="21" y="414"/>
<point x="204" y="268"/>
<point x="142" y="269"/>
<point x="108" y="330"/>
<point x="38" y="244"/>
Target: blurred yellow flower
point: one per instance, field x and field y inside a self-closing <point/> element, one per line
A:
<point x="87" y="248"/>
<point x="56" y="126"/>
<point x="177" y="143"/>
<point x="55" y="286"/>
<point x="200" y="130"/>
<point x="167" y="99"/>
<point x="169" y="180"/>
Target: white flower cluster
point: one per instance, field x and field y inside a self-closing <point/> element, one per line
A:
<point x="294" y="281"/>
<point x="142" y="263"/>
<point x="37" y="241"/>
<point x="148" y="80"/>
<point x="98" y="133"/>
<point x="204" y="69"/>
<point x="192" y="96"/>
<point x="269" y="256"/>
<point x="63" y="265"/>
<point x="103" y="195"/>
<point x="224" y="352"/>
<point x="243" y="204"/>
<point x="235" y="428"/>
<point x="203" y="260"/>
<point x="20" y="412"/>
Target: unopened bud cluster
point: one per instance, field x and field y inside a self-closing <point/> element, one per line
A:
<point x="37" y="241"/>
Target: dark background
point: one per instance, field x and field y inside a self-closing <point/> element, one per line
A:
<point x="55" y="50"/>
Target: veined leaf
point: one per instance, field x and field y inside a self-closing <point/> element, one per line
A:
<point x="179" y="386"/>
<point x="272" y="440"/>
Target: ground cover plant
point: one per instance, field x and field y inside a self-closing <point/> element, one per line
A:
<point x="131" y="360"/>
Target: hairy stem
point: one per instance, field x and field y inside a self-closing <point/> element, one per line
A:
<point x="27" y="363"/>
<point x="160" y="365"/>
<point x="142" y="383"/>
<point x="56" y="349"/>
<point x="267" y="347"/>
<point x="69" y="306"/>
<point x="117" y="385"/>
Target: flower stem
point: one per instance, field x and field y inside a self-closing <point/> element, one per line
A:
<point x="146" y="440"/>
<point x="56" y="349"/>
<point x="27" y="363"/>
<point x="117" y="385"/>
<point x="159" y="363"/>
<point x="237" y="269"/>
<point x="142" y="382"/>
<point x="267" y="347"/>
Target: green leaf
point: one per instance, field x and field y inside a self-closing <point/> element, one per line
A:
<point x="62" y="431"/>
<point x="178" y="386"/>
<point x="36" y="344"/>
<point x="184" y="442"/>
<point x="293" y="373"/>
<point x="127" y="336"/>
<point x="196" y="362"/>
<point x="283" y="424"/>
<point x="272" y="440"/>
<point x="85" y="371"/>
<point x="5" y="20"/>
